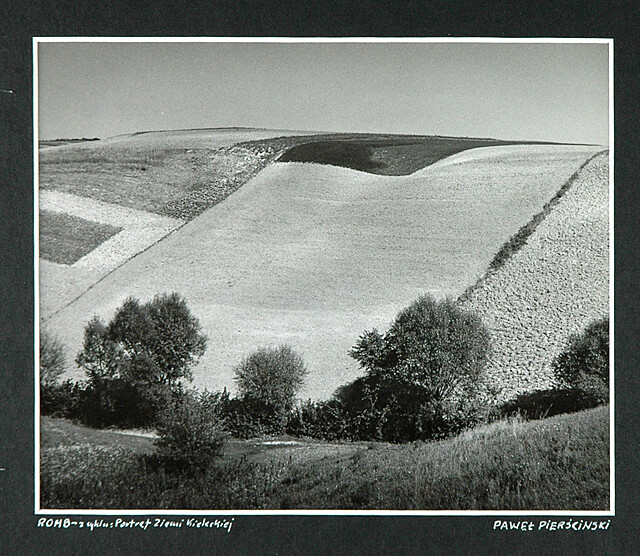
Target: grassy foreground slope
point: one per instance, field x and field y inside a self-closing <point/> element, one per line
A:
<point x="313" y="255"/>
<point x="553" y="287"/>
<point x="561" y="463"/>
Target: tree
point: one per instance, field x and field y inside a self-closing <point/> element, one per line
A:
<point x="421" y="375"/>
<point x="272" y="376"/>
<point x="155" y="343"/>
<point x="100" y="357"/>
<point x="434" y="347"/>
<point x="584" y="363"/>
<point x="52" y="358"/>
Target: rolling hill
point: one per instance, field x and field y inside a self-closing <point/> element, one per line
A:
<point x="313" y="255"/>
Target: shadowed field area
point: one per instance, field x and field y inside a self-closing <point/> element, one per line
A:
<point x="384" y="155"/>
<point x="65" y="239"/>
<point x="313" y="255"/>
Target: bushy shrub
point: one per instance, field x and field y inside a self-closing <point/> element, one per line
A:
<point x="189" y="433"/>
<point x="381" y="407"/>
<point x="104" y="403"/>
<point x="247" y="417"/>
<point x="61" y="399"/>
<point x="52" y="358"/>
<point x="268" y="381"/>
<point x="242" y="417"/>
<point x="547" y="403"/>
<point x="421" y="376"/>
<point x="435" y="346"/>
<point x="133" y="364"/>
<point x="584" y="363"/>
<point x="119" y="403"/>
<point x="325" y="420"/>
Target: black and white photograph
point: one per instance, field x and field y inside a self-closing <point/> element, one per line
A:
<point x="324" y="276"/>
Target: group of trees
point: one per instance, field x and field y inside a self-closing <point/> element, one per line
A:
<point x="421" y="378"/>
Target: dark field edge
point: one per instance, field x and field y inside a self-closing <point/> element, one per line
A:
<point x="516" y="242"/>
<point x="65" y="239"/>
<point x="59" y="142"/>
<point x="356" y="150"/>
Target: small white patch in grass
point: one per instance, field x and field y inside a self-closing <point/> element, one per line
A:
<point x="279" y="443"/>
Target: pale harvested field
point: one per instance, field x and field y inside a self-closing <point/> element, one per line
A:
<point x="178" y="139"/>
<point x="555" y="286"/>
<point x="200" y="138"/>
<point x="60" y="284"/>
<point x="313" y="255"/>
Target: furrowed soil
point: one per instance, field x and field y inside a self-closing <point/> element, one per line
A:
<point x="313" y="255"/>
<point x="555" y="286"/>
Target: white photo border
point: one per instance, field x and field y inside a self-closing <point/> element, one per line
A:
<point x="363" y="40"/>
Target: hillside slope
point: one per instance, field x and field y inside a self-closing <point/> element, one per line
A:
<point x="313" y="255"/>
<point x="553" y="287"/>
<point x="560" y="463"/>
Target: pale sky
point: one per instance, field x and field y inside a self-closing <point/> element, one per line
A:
<point x="546" y="92"/>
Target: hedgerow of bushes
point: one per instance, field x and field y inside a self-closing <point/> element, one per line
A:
<point x="421" y="383"/>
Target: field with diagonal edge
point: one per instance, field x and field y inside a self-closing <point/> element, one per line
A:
<point x="179" y="174"/>
<point x="312" y="255"/>
<point x="554" y="286"/>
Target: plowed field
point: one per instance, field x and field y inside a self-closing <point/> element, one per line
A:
<point x="555" y="286"/>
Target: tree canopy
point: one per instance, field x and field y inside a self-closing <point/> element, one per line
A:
<point x="271" y="375"/>
<point x="433" y="346"/>
<point x="156" y="342"/>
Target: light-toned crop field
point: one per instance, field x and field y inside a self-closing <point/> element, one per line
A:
<point x="147" y="183"/>
<point x="554" y="286"/>
<point x="133" y="231"/>
<point x="198" y="138"/>
<point x="313" y="255"/>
